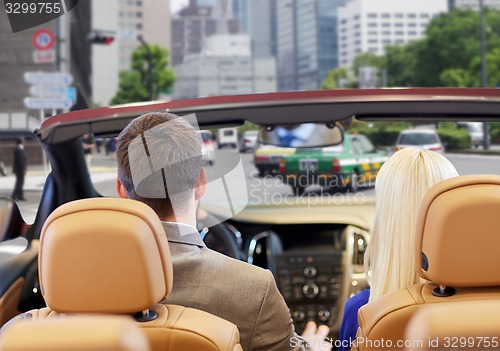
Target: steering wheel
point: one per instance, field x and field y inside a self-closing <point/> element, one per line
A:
<point x="219" y="238"/>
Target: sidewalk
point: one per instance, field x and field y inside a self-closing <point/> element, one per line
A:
<point x="102" y="169"/>
<point x="494" y="150"/>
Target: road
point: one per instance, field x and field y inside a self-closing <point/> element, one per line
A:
<point x="103" y="171"/>
<point x="258" y="190"/>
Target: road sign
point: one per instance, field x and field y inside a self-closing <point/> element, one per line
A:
<point x="47" y="103"/>
<point x="71" y="93"/>
<point x="48" y="78"/>
<point x="53" y="90"/>
<point x="43" y="39"/>
<point x="46" y="56"/>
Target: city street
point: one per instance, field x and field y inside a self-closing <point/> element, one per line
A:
<point x="259" y="190"/>
<point x="103" y="170"/>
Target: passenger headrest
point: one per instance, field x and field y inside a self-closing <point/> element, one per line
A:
<point x="437" y="326"/>
<point x="458" y="232"/>
<point x="104" y="255"/>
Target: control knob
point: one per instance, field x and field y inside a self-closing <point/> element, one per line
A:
<point x="298" y="316"/>
<point x="310" y="290"/>
<point x="323" y="315"/>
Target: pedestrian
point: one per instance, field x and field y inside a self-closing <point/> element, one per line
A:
<point x="19" y="168"/>
<point x="111" y="147"/>
<point x="3" y="170"/>
<point x="88" y="145"/>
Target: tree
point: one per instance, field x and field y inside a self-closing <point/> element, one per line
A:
<point x="334" y="78"/>
<point x="453" y="44"/>
<point x="134" y="84"/>
<point x="367" y="59"/>
<point x="456" y="77"/>
<point x="401" y="61"/>
<point x="341" y="77"/>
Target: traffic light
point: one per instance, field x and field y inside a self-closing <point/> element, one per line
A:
<point x="99" y="38"/>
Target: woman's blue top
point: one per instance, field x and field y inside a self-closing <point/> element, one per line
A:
<point x="349" y="325"/>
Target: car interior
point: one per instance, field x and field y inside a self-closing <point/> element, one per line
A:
<point x="450" y="254"/>
<point x="314" y="248"/>
<point x="141" y="266"/>
<point x="109" y="333"/>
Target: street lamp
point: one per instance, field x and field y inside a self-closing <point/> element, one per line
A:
<point x="484" y="78"/>
<point x="150" y="67"/>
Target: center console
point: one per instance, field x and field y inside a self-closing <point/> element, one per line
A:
<point x="316" y="267"/>
<point x="311" y="284"/>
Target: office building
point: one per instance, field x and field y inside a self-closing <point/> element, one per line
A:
<point x="148" y="18"/>
<point x="262" y="27"/>
<point x="225" y="66"/>
<point x="369" y="26"/>
<point x="192" y="25"/>
<point x="306" y="35"/>
<point x="474" y="4"/>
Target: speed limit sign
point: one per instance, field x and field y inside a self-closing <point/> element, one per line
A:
<point x="43" y="39"/>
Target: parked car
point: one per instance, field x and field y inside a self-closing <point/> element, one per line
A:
<point x="227" y="137"/>
<point x="426" y="139"/>
<point x="266" y="159"/>
<point x="208" y="152"/>
<point x="353" y="163"/>
<point x="248" y="141"/>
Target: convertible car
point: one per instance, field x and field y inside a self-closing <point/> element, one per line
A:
<point x="313" y="245"/>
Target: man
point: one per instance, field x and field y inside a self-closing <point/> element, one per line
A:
<point x="159" y="157"/>
<point x="19" y="169"/>
<point x="88" y="144"/>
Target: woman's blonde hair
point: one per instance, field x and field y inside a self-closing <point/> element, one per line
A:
<point x="399" y="189"/>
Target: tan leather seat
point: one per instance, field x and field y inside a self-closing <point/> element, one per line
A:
<point x="106" y="255"/>
<point x="463" y="325"/>
<point x="457" y="241"/>
<point x="75" y="333"/>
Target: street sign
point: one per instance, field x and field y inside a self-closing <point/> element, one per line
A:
<point x="53" y="90"/>
<point x="43" y="39"/>
<point x="46" y="56"/>
<point x="48" y="78"/>
<point x="71" y="93"/>
<point x="47" y="103"/>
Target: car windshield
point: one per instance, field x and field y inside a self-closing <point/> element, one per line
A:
<point x="417" y="139"/>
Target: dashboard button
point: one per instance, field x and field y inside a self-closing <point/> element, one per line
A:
<point x="310" y="272"/>
<point x="298" y="316"/>
<point x="310" y="290"/>
<point x="324" y="315"/>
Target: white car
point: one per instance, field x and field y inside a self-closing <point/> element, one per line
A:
<point x="425" y="139"/>
<point x="227" y="137"/>
<point x="475" y="130"/>
<point x="248" y="141"/>
<point x="208" y="151"/>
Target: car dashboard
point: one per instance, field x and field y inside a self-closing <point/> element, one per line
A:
<point x="314" y="252"/>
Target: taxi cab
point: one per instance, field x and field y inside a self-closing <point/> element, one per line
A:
<point x="352" y="164"/>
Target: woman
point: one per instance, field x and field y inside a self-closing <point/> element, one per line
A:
<point x="389" y="261"/>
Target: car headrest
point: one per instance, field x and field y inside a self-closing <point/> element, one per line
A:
<point x="438" y="326"/>
<point x="75" y="333"/>
<point x="104" y="255"/>
<point x="458" y="232"/>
